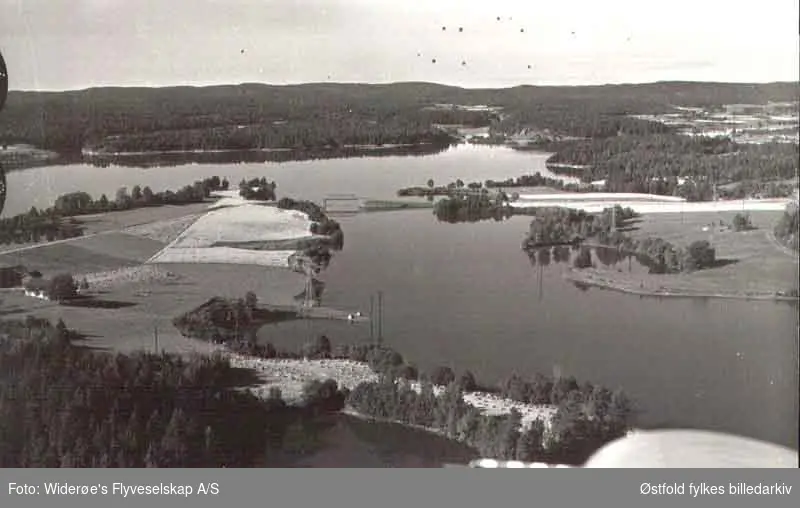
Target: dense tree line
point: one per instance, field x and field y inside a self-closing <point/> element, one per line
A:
<point x="661" y="256"/>
<point x="57" y="222"/>
<point x="228" y="319"/>
<point x="654" y="164"/>
<point x="787" y="231"/>
<point x="332" y="133"/>
<point x="473" y="207"/>
<point x="66" y="406"/>
<point x="167" y="159"/>
<point x="459" y="187"/>
<point x="254" y="115"/>
<point x="257" y="188"/>
<point x="559" y="225"/>
<point x="321" y="223"/>
<point x="586" y="418"/>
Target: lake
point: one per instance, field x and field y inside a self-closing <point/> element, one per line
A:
<point x="467" y="296"/>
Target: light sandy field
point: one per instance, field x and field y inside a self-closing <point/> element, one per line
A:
<point x="276" y="258"/>
<point x="644" y="207"/>
<point x="246" y="222"/>
<point x="226" y="202"/>
<point x="291" y="375"/>
<point x="599" y="196"/>
<point x="230" y="193"/>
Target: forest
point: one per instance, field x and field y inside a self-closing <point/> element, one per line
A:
<point x="587" y="417"/>
<point x="787" y="231"/>
<point x="653" y="164"/>
<point x="318" y="115"/>
<point x="64" y="405"/>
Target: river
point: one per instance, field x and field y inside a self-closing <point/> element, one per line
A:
<point x="465" y="295"/>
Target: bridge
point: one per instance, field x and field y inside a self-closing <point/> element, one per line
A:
<point x="343" y="203"/>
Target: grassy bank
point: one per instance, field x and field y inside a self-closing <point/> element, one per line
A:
<point x="661" y="286"/>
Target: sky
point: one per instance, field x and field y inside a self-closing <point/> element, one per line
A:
<point x="76" y="44"/>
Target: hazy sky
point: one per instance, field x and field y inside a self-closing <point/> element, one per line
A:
<point x="68" y="44"/>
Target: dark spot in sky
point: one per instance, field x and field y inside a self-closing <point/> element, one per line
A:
<point x="498" y="18"/>
<point x="433" y="60"/>
<point x="521" y="30"/>
<point x="529" y="66"/>
<point x="463" y="62"/>
<point x="243" y="52"/>
<point x="444" y="28"/>
<point x="460" y="29"/>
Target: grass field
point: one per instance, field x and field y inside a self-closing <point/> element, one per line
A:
<point x="115" y="221"/>
<point x="69" y="257"/>
<point x="755" y="264"/>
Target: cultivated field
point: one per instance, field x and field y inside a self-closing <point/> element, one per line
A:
<point x="164" y="231"/>
<point x="115" y="221"/>
<point x="223" y="255"/>
<point x="246" y="222"/>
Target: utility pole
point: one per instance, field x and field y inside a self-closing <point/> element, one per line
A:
<point x="380" y="317"/>
<point x="371" y="318"/>
<point x="155" y="337"/>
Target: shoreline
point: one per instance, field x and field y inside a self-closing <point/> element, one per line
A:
<point x="600" y="279"/>
<point x="289" y="375"/>
<point x="193" y="151"/>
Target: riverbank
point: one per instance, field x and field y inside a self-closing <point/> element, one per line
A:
<point x="654" y="286"/>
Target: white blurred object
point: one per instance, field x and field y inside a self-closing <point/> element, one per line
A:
<point x="674" y="449"/>
<point x="691" y="448"/>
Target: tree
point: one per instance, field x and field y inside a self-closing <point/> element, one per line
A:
<point x="742" y="222"/>
<point x="62" y="287"/>
<point x="136" y="193"/>
<point x="442" y="376"/>
<point x="324" y="346"/>
<point x="251" y="300"/>
<point x="147" y="195"/>
<point x="583" y="259"/>
<point x="699" y="255"/>
<point x="467" y="382"/>
<point x="122" y="199"/>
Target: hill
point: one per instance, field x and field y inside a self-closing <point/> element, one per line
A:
<point x="311" y="115"/>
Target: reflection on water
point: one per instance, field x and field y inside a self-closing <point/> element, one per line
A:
<point x="344" y="441"/>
